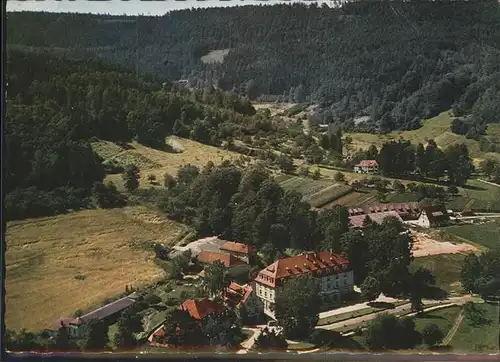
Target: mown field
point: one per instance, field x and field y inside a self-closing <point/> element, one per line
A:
<point x="486" y="234"/>
<point x="443" y="318"/>
<point x="436" y="128"/>
<point x="446" y="269"/>
<point x="158" y="162"/>
<point x="476" y="196"/>
<point x="354" y="199"/>
<point x="57" y="265"/>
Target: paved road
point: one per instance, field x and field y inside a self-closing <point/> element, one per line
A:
<point x="355" y="307"/>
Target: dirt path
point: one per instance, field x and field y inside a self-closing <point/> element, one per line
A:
<point x="453" y="329"/>
<point x="424" y="245"/>
<point x="488" y="182"/>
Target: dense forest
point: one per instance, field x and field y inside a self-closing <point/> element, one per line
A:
<point x="396" y="62"/>
<point x="55" y="106"/>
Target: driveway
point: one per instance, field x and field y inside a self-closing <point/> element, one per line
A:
<point x="212" y="243"/>
<point x="355" y="307"/>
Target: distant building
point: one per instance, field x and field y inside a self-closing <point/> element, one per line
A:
<point x="367" y="166"/>
<point x="109" y="313"/>
<point x="331" y="271"/>
<point x="432" y="216"/>
<point x="358" y="220"/>
<point x="239" y="250"/>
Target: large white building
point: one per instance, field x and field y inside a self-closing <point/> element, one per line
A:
<point x="331" y="271"/>
<point x="367" y="166"/>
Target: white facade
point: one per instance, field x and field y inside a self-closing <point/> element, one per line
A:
<point x="366" y="169"/>
<point x="422" y="221"/>
<point x="331" y="286"/>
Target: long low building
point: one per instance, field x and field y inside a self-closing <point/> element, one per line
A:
<point x="357" y="221"/>
<point x="405" y="210"/>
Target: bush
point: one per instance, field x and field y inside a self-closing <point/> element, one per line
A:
<point x="432" y="335"/>
<point x="152" y="299"/>
<point x="339" y="176"/>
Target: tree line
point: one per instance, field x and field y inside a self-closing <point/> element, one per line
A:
<point x="395" y="62"/>
<point x="56" y="105"/>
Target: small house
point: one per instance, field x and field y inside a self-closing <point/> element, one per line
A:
<point x="432" y="216"/>
<point x="234" y="265"/>
<point x="239" y="250"/>
<point x="367" y="166"/>
<point x="243" y="296"/>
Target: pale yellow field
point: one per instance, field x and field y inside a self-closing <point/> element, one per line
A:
<point x="157" y="162"/>
<point x="44" y="255"/>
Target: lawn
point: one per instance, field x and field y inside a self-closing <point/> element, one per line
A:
<point x="486" y="234"/>
<point x="437" y="128"/>
<point x="354" y="199"/>
<point x="57" y="265"/>
<point x="445" y="267"/>
<point x="443" y="318"/>
<point x="158" y="162"/>
<point x="474" y="339"/>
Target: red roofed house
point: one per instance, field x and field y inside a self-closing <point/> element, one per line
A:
<point x="197" y="309"/>
<point x="332" y="272"/>
<point x="234" y="265"/>
<point x="239" y="250"/>
<point x="243" y="296"/>
<point x="366" y="166"/>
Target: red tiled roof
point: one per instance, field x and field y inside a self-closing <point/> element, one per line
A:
<point x="238" y="294"/>
<point x="209" y="257"/>
<point x="237" y="247"/>
<point x="199" y="309"/>
<point x="357" y="220"/>
<point x="367" y="163"/>
<point x="301" y="264"/>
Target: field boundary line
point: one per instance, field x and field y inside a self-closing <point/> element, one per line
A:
<point x="454" y="328"/>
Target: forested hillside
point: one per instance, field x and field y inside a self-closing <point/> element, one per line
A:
<point x="397" y="62"/>
<point x="56" y="105"/>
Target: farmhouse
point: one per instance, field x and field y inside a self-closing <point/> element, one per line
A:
<point x="432" y="216"/>
<point x="234" y="265"/>
<point x="239" y="250"/>
<point x="107" y="313"/>
<point x="366" y="166"/>
<point x="331" y="271"/>
<point x="357" y="221"/>
<point x="197" y="309"/>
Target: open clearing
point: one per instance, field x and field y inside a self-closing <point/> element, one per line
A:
<point x="443" y="318"/>
<point x="445" y="267"/>
<point x="100" y="247"/>
<point x="215" y="56"/>
<point x="437" y="128"/>
<point x="423" y="245"/>
<point x="486" y="234"/>
<point x="157" y="162"/>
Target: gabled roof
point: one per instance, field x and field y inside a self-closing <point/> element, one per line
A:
<point x="110" y="309"/>
<point x="237" y="247"/>
<point x="301" y="264"/>
<point x="199" y="309"/>
<point x="367" y="163"/>
<point x="209" y="257"/>
<point x="436" y="213"/>
<point x="378" y="217"/>
<point x="403" y="209"/>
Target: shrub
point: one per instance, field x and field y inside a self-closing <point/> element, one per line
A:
<point x="432" y="335"/>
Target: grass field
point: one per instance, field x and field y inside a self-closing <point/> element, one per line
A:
<point x="479" y="339"/>
<point x="304" y="185"/>
<point x="487" y="234"/>
<point x="56" y="265"/>
<point x="445" y="267"/>
<point x="478" y="196"/>
<point x="437" y="128"/>
<point x="157" y="162"/>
